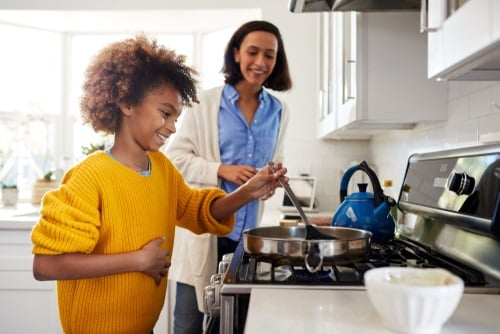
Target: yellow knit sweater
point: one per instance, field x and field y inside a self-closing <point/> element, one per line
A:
<point x="103" y="207"/>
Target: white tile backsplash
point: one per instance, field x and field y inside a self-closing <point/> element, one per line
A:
<point x="327" y="160"/>
<point x="479" y="103"/>
<point x="489" y="127"/>
<point x="458" y="109"/>
<point x="472" y="119"/>
<point x="495" y="99"/>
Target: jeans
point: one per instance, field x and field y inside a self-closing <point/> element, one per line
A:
<point x="187" y="318"/>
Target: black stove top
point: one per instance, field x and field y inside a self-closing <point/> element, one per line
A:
<point x="399" y="253"/>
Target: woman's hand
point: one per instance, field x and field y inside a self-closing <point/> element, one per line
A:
<point x="238" y="174"/>
<point x="153" y="260"/>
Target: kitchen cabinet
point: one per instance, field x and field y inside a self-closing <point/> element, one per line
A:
<point x="373" y="75"/>
<point x="26" y="305"/>
<point x="463" y="39"/>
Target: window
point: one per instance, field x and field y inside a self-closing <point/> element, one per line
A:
<point x="211" y="62"/>
<point x="41" y="80"/>
<point x="31" y="92"/>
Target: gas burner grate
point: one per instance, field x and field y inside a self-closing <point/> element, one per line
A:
<point x="395" y="253"/>
<point x="302" y="275"/>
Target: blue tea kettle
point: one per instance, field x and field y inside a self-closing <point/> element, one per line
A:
<point x="364" y="210"/>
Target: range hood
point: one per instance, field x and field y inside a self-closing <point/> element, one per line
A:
<point x="305" y="6"/>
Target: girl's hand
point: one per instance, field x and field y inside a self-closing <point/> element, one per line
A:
<point x="264" y="183"/>
<point x="153" y="260"/>
<point x="260" y="185"/>
<point x="267" y="196"/>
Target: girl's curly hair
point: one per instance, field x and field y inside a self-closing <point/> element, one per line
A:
<point x="124" y="72"/>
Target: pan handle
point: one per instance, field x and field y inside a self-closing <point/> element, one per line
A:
<point x="313" y="258"/>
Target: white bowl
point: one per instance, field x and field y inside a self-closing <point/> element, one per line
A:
<point x="414" y="300"/>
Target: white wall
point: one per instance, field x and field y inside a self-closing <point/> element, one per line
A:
<point x="473" y="119"/>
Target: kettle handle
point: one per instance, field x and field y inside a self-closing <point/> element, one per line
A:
<point x="378" y="193"/>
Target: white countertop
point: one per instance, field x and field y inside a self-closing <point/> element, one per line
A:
<point x="21" y="216"/>
<point x="342" y="311"/>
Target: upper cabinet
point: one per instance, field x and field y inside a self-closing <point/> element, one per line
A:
<point x="373" y="75"/>
<point x="463" y="39"/>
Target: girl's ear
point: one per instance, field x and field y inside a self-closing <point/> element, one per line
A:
<point x="126" y="110"/>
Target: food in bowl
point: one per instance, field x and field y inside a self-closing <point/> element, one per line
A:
<point x="413" y="300"/>
<point x="422" y="278"/>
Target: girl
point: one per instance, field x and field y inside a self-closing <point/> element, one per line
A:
<point x="106" y="234"/>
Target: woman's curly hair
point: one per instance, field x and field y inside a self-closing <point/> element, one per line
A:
<point x="124" y="72"/>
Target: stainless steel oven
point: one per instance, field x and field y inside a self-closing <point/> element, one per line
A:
<point x="450" y="219"/>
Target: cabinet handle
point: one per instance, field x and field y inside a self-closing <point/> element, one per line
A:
<point x="424" y="18"/>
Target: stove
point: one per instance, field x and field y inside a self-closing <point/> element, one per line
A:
<point x="451" y="220"/>
<point x="396" y="253"/>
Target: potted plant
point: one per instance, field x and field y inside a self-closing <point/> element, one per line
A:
<point x="10" y="194"/>
<point x="91" y="148"/>
<point x="41" y="186"/>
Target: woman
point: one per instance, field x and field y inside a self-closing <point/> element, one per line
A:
<point x="107" y="232"/>
<point x="224" y="141"/>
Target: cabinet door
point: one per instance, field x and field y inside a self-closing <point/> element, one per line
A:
<point x="26" y="305"/>
<point x="466" y="31"/>
<point x="338" y="71"/>
<point x="348" y="68"/>
<point x="495" y="14"/>
<point x="432" y="24"/>
<point x="325" y="73"/>
<point x="348" y="56"/>
<point x="329" y="87"/>
<point x="456" y="47"/>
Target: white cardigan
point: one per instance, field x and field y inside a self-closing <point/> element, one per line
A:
<point x="194" y="149"/>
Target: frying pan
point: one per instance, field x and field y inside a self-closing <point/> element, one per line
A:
<point x="287" y="245"/>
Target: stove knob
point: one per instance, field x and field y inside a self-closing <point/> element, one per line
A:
<point x="227" y="257"/>
<point x="209" y="301"/>
<point x="224" y="264"/>
<point x="211" y="296"/>
<point x="461" y="183"/>
<point x="223" y="267"/>
<point x="216" y="279"/>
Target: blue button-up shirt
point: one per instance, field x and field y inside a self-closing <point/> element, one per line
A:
<point x="252" y="144"/>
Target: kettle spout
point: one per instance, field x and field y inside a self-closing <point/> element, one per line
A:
<point x="382" y="211"/>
